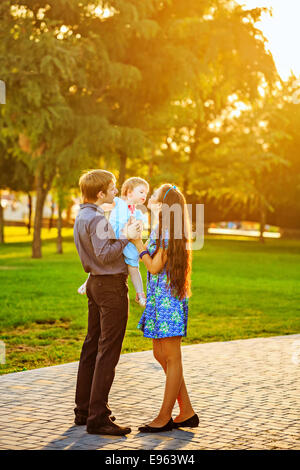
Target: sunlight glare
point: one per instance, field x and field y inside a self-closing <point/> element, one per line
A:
<point x="282" y="31"/>
<point x="103" y="12"/>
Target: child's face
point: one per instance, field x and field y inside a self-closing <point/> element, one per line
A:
<point x="138" y="195"/>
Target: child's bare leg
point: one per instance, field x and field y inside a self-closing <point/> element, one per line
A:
<point x="137" y="281"/>
<point x="136" y="278"/>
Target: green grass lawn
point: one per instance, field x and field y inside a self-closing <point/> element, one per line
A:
<point x="241" y="289"/>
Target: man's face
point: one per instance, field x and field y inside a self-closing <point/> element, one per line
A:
<point x="109" y="196"/>
<point x="138" y="195"/>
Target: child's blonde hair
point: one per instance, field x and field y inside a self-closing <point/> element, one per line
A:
<point x="132" y="183"/>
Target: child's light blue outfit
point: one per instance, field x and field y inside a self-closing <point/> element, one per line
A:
<point x="119" y="216"/>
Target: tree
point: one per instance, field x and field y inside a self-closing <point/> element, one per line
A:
<point x="6" y="174"/>
<point x="253" y="163"/>
<point x="260" y="152"/>
<point x="190" y="152"/>
<point x="63" y="64"/>
<point x="142" y="87"/>
<point x="14" y="175"/>
<point x="40" y="68"/>
<point x="285" y="119"/>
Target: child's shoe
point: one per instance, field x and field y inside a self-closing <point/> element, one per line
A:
<point x="141" y="299"/>
<point x="82" y="289"/>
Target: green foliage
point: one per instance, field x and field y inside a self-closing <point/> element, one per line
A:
<point x="14" y="174"/>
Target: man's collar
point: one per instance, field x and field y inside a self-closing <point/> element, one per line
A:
<point x="92" y="206"/>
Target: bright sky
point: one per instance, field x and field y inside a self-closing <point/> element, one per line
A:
<point x="282" y="31"/>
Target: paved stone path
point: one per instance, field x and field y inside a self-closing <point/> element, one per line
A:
<point x="246" y="392"/>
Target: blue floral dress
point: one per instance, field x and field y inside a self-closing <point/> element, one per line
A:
<point x="164" y="315"/>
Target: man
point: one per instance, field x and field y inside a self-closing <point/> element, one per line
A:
<point x="107" y="291"/>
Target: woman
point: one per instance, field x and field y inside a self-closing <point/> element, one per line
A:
<point x="168" y="261"/>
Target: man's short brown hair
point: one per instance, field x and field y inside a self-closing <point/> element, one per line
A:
<point x="132" y="183"/>
<point x="93" y="181"/>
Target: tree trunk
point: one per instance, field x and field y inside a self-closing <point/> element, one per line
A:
<point x="262" y="222"/>
<point x="52" y="214"/>
<point x="59" y="244"/>
<point x="42" y="189"/>
<point x="69" y="211"/>
<point x="29" y="213"/>
<point x="1" y="222"/>
<point x="38" y="219"/>
<point x="122" y="173"/>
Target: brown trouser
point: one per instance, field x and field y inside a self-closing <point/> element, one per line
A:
<point x="108" y="314"/>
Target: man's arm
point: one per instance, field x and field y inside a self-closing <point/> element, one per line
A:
<point x="106" y="247"/>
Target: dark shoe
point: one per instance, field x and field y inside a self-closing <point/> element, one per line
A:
<point x="80" y="420"/>
<point x="167" y="427"/>
<point x="110" y="428"/>
<point x="192" y="422"/>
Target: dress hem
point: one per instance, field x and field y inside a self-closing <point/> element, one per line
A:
<point x="160" y="337"/>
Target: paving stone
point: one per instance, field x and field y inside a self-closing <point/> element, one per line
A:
<point x="238" y="388"/>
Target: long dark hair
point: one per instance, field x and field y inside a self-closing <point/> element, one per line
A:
<point x="179" y="262"/>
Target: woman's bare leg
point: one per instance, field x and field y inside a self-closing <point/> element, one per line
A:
<point x="183" y="399"/>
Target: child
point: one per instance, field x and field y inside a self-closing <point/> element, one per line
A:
<point x="134" y="191"/>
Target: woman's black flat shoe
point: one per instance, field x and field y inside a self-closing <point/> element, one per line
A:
<point x="168" y="427"/>
<point x="192" y="422"/>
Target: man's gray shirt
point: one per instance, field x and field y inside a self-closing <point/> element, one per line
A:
<point x="99" y="250"/>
